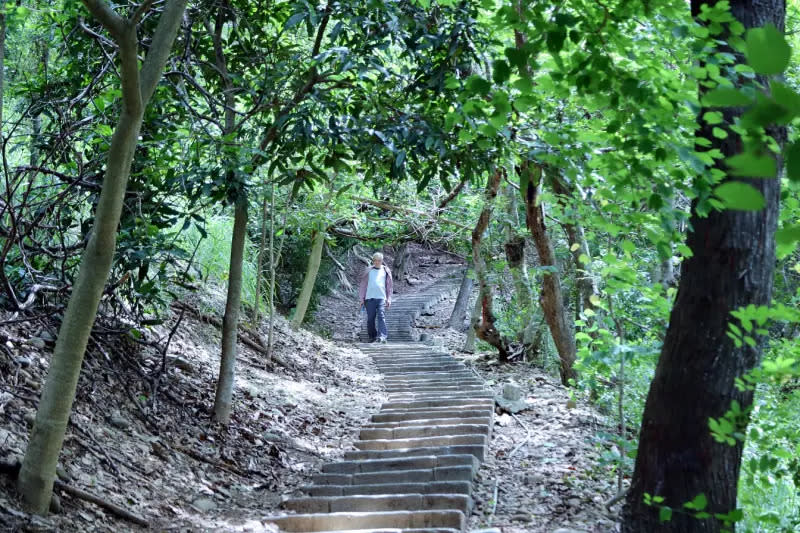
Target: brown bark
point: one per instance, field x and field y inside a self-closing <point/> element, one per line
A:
<point x="486" y="330"/>
<point x="577" y="242"/>
<point x="551" y="299"/>
<point x="731" y="266"/>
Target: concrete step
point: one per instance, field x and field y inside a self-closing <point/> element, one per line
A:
<point x="434" y="382"/>
<point x="386" y="519"/>
<point x="417" y="389"/>
<point x="420" y="442"/>
<point x="433" y="415"/>
<point x="444" y="402"/>
<point x="424" y="475"/>
<point x="411" y="432"/>
<point x="477" y="450"/>
<point x="435" y="487"/>
<point x="411" y="396"/>
<point x="484" y="421"/>
<point x="422" y="376"/>
<point x="394" y="502"/>
<point x="399" y="463"/>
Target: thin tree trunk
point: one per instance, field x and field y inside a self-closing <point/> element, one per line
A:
<point x="272" y="266"/>
<point x="551" y="298"/>
<point x="456" y="321"/>
<point x="486" y="330"/>
<point x="260" y="263"/>
<point x="515" y="254"/>
<point x="274" y="259"/>
<point x="314" y="259"/>
<point x="474" y="322"/>
<point x="731" y="266"/>
<point x="577" y="242"/>
<point x="37" y="475"/>
<point x="223" y="399"/>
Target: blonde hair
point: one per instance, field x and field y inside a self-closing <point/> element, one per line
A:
<point x="377" y="255"/>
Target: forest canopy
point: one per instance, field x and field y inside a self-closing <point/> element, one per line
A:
<point x="622" y="178"/>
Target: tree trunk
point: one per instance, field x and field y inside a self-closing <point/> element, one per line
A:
<point x="474" y="321"/>
<point x="262" y="248"/>
<point x="515" y="254"/>
<point x="400" y="265"/>
<point x="456" y="321"/>
<point x="486" y="330"/>
<point x="37" y="475"/>
<point x="577" y="243"/>
<point x="317" y="243"/>
<point x="731" y="266"/>
<point x="271" y="300"/>
<point x="223" y="400"/>
<point x="551" y="299"/>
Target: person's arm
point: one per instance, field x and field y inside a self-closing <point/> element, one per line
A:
<point x="389" y="285"/>
<point x="362" y="288"/>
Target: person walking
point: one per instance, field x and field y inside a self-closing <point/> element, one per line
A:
<point x="375" y="293"/>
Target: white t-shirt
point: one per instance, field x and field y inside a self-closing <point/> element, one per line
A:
<point x="376" y="287"/>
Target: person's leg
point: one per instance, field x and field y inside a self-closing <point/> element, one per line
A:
<point x="381" y="312"/>
<point x="371" y="310"/>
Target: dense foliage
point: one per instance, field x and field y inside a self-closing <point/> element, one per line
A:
<point x="379" y="123"/>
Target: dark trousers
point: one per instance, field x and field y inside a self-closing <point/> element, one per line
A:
<point x="375" y="309"/>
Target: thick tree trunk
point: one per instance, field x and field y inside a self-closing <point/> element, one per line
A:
<point x="456" y="321"/>
<point x="551" y="299"/>
<point x="486" y="330"/>
<point x="314" y="259"/>
<point x="400" y="265"/>
<point x="39" y="466"/>
<point x="731" y="266"/>
<point x="223" y="400"/>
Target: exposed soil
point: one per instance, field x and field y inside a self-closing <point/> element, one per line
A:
<point x="161" y="457"/>
<point x="165" y="460"/>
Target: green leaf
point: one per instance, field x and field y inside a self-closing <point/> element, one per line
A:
<point x="752" y="165"/>
<point x="766" y="50"/>
<point x="478" y="85"/>
<point x="725" y="97"/>
<point x="664" y="514"/>
<point x="788" y="235"/>
<point x="792" y="155"/>
<point x="698" y="503"/>
<point x="740" y="196"/>
<point x="501" y="72"/>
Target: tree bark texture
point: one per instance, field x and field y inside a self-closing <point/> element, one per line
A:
<point x="551" y="299"/>
<point x="731" y="266"/>
<point x="576" y="240"/>
<point x="456" y="321"/>
<point x="314" y="259"/>
<point x="37" y="475"/>
<point x="223" y="399"/>
<point x="400" y="265"/>
<point x="486" y="329"/>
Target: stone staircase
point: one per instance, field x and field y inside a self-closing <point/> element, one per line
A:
<point x="414" y="462"/>
<point x="407" y="308"/>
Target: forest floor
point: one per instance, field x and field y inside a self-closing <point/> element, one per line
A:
<point x="161" y="457"/>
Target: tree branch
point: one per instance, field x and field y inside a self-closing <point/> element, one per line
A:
<point x="107" y="17"/>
